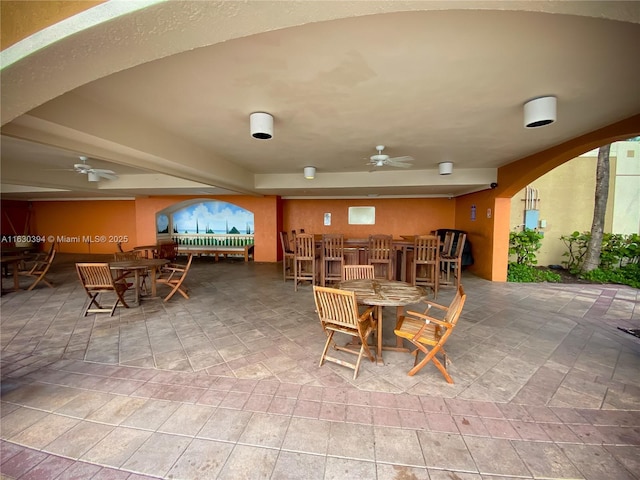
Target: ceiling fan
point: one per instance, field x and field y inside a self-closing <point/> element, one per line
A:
<point x="380" y="159"/>
<point x="93" y="174"/>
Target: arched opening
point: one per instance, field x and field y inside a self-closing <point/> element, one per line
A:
<point x="205" y="223"/>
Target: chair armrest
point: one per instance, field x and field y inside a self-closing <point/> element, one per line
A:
<point x="429" y="319"/>
<point x="431" y="304"/>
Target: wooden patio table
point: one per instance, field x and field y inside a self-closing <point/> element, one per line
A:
<point x="14" y="261"/>
<point x="381" y="293"/>
<point x="150" y="264"/>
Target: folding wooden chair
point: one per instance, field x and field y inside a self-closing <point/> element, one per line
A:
<point x="173" y="275"/>
<point x="423" y="330"/>
<point x="338" y="312"/>
<point x="96" y="279"/>
<point x="39" y="268"/>
<point x="356" y="272"/>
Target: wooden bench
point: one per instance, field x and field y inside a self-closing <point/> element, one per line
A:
<point x="246" y="251"/>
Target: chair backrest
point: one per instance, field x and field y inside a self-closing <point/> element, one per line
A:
<point x="168" y="251"/>
<point x="305" y="246"/>
<point x="333" y="245"/>
<point x="380" y="247"/>
<point x="357" y="272"/>
<point x="426" y="249"/>
<point x="284" y="243"/>
<point x="447" y="243"/>
<point x="462" y="238"/>
<point x="95" y="276"/>
<point x="455" y="307"/>
<point x="122" y="256"/>
<point x="337" y="307"/>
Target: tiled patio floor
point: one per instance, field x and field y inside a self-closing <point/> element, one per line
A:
<point x="226" y="385"/>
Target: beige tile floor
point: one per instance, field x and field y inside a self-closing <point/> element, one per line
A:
<point x="226" y="385"/>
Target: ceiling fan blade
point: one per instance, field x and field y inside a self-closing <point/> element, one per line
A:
<point x="405" y="158"/>
<point x="108" y="174"/>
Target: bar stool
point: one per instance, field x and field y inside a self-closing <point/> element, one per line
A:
<point x="332" y="257"/>
<point x="451" y="265"/>
<point x="304" y="264"/>
<point x="287" y="257"/>
<point x="380" y="249"/>
<point x="426" y="262"/>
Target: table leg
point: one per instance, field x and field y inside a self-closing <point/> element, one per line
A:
<point x="136" y="278"/>
<point x="379" y="359"/>
<point x="399" y="346"/>
<point x="16" y="277"/>
<point x="153" y="281"/>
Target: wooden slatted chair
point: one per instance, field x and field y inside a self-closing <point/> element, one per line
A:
<point x="39" y="267"/>
<point x="173" y="275"/>
<point x="338" y="312"/>
<point x="380" y="255"/>
<point x="356" y="272"/>
<point x="304" y="265"/>
<point x="332" y="257"/>
<point x="97" y="279"/>
<point x="424" y="330"/>
<point x="288" y="256"/>
<point x="426" y="262"/>
<point x="451" y="265"/>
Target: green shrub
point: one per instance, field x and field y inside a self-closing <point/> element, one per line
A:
<point x="525" y="245"/>
<point x="619" y="258"/>
<point x="626" y="275"/>
<point x="521" y="273"/>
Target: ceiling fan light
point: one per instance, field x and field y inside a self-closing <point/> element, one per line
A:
<point x="93" y="177"/>
<point x="540" y="112"/>
<point x="445" y="168"/>
<point x="261" y="125"/>
<point x="309" y="173"/>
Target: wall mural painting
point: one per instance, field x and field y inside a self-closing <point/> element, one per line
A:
<point x="212" y="217"/>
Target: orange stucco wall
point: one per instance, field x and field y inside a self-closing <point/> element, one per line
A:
<point x="86" y="226"/>
<point x="406" y="216"/>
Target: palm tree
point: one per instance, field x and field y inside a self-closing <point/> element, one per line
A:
<point x="594" y="247"/>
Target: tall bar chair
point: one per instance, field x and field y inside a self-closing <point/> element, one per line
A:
<point x="426" y="262"/>
<point x="304" y="264"/>
<point x="451" y="265"/>
<point x="288" y="256"/>
<point x="332" y="258"/>
<point x="380" y="255"/>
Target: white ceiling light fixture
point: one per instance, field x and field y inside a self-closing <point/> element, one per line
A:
<point x="445" y="168"/>
<point x="261" y="125"/>
<point x="309" y="173"/>
<point x="540" y="112"/>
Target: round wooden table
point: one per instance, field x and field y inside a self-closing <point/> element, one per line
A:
<point x="137" y="265"/>
<point x="381" y="293"/>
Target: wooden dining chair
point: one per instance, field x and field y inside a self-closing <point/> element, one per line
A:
<point x="357" y="272"/>
<point x="38" y="267"/>
<point x="424" y="330"/>
<point x="305" y="260"/>
<point x="426" y="262"/>
<point x="173" y="275"/>
<point x="380" y="255"/>
<point x="332" y="258"/>
<point x="288" y="256"/>
<point x="98" y="279"/>
<point x="451" y="264"/>
<point x="447" y="243"/>
<point x="338" y="312"/>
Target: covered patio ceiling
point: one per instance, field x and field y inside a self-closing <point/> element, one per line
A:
<point x="162" y="95"/>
